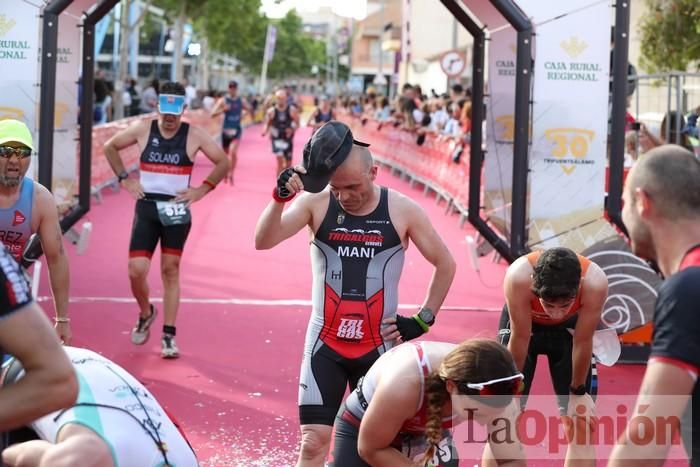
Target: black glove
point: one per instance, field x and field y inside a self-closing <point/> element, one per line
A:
<point x="32" y="251"/>
<point x="408" y="328"/>
<point x="282" y="180"/>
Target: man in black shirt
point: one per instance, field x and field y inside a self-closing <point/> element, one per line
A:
<point x="662" y="213"/>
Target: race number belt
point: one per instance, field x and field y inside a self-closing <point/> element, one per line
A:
<point x="173" y="213"/>
<point x="280" y="144"/>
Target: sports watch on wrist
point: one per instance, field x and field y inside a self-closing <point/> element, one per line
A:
<point x="579" y="390"/>
<point x="123" y="175"/>
<point x="427" y="316"/>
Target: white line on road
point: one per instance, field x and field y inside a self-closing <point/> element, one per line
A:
<point x="247" y="302"/>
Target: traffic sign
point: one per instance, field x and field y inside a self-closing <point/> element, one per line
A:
<point x="453" y="63"/>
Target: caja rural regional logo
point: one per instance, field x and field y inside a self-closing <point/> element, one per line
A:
<point x="573" y="47"/>
<point x="6" y="25"/>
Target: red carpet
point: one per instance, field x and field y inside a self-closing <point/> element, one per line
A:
<point x="235" y="387"/>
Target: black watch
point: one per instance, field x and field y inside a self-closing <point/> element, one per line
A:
<point x="123" y="175"/>
<point x="578" y="390"/>
<point x="427" y="316"/>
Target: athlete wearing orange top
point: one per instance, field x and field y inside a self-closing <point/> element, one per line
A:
<point x="547" y="293"/>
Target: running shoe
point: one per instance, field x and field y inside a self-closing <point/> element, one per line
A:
<point x="170" y="349"/>
<point x="140" y="333"/>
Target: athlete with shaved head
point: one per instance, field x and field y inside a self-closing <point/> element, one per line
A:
<point x="359" y="232"/>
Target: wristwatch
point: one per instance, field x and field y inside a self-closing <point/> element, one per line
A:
<point x="578" y="390"/>
<point x="426" y="315"/>
<point x="123" y="175"/>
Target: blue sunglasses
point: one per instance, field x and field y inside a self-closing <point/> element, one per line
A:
<point x="171" y="104"/>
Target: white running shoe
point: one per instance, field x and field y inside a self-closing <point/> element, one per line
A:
<point x="140" y="333"/>
<point x="170" y="349"/>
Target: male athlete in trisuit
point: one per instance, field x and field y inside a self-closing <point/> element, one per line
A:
<point x="163" y="196"/>
<point x="359" y="232"/>
<point x="548" y="293"/>
<point x="234" y="108"/>
<point x="323" y="114"/>
<point x="26" y="208"/>
<point x="662" y="215"/>
<point x="115" y="421"/>
<point x="281" y="121"/>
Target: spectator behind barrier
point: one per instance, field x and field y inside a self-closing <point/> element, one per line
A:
<point x="149" y="98"/>
<point x="669" y="132"/>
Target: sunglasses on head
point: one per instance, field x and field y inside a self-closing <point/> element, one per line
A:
<point x="508" y="386"/>
<point x="7" y="152"/>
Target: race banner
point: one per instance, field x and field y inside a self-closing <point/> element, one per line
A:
<point x="569" y="132"/>
<point x="65" y="139"/>
<point x="20" y="23"/>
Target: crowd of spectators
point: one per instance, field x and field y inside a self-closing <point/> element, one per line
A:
<point x="446" y="117"/>
<point x="141" y="98"/>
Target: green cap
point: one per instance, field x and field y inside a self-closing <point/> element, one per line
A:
<point x="16" y="131"/>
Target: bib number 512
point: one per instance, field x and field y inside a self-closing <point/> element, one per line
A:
<point x="175" y="209"/>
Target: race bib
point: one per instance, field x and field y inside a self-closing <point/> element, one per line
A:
<point x="280" y="144"/>
<point x="231" y="132"/>
<point x="445" y="452"/>
<point x="171" y="213"/>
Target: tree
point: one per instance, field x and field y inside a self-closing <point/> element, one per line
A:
<point x="295" y="52"/>
<point x="234" y="27"/>
<point x="178" y="12"/>
<point x="671" y="35"/>
<point x="127" y="29"/>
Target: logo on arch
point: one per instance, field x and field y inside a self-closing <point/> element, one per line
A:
<point x="570" y="147"/>
<point x="18" y="219"/>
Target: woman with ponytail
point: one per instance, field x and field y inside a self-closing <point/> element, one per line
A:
<point x="402" y="410"/>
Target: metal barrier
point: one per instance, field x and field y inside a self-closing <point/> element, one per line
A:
<point x="658" y="94"/>
<point x="102" y="175"/>
<point x="432" y="164"/>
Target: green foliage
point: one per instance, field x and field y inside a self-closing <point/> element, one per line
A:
<point x="670" y="35"/>
<point x="234" y="27"/>
<point x="295" y="52"/>
<point x="237" y="28"/>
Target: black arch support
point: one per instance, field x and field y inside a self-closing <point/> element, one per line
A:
<point x="619" y="108"/>
<point x="47" y="101"/>
<point x="523" y="80"/>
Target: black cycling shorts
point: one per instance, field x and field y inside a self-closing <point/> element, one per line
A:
<point x="286" y="153"/>
<point x="557" y="343"/>
<point x="325" y="378"/>
<point x="227" y="136"/>
<point x="147" y="229"/>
